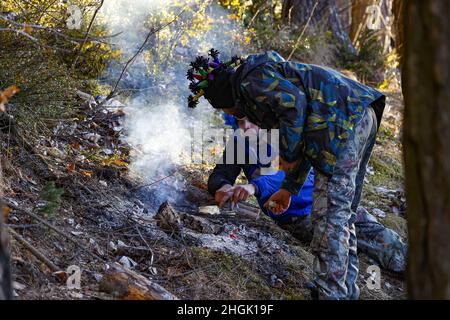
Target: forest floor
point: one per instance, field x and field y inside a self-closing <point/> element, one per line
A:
<point x="107" y="217"/>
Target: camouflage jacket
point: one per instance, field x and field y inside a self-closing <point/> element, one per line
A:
<point x="315" y="108"/>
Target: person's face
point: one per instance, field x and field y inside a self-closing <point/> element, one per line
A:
<point x="245" y="125"/>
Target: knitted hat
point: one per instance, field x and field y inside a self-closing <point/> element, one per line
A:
<point x="211" y="78"/>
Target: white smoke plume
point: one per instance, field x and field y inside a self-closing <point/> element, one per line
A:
<point x="158" y="123"/>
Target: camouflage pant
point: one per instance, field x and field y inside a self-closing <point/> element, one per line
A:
<point x="335" y="200"/>
<point x="381" y="244"/>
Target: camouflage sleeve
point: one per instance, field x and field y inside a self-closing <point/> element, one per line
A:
<point x="267" y="86"/>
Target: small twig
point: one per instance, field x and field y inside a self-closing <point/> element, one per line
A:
<point x="35" y="40"/>
<point x="22" y="226"/>
<point x="141" y="48"/>
<point x="303" y="31"/>
<point x="64" y="234"/>
<point x="146" y="243"/>
<point x="87" y="34"/>
<point x="33" y="250"/>
<point x="152" y="183"/>
<point x="56" y="32"/>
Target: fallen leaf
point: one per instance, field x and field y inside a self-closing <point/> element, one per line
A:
<point x="61" y="276"/>
<point x="70" y="167"/>
<point x="120" y="163"/>
<point x="6" y="212"/>
<point x="6" y="95"/>
<point x="76" y="146"/>
<point x="28" y="29"/>
<point x="87" y="173"/>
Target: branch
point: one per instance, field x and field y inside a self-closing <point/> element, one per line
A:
<point x="35" y="40"/>
<point x="141" y="48"/>
<point x="56" y="32"/>
<point x="64" y="234"/>
<point x="87" y="34"/>
<point x="303" y="31"/>
<point x="34" y="251"/>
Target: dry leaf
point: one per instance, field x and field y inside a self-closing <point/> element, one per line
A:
<point x="6" y="212"/>
<point x="70" y="167"/>
<point x="120" y="163"/>
<point x="87" y="173"/>
<point x="28" y="29"/>
<point x="6" y="95"/>
<point x="61" y="276"/>
<point x="76" y="146"/>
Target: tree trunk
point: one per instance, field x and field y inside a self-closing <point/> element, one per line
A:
<point x="345" y="13"/>
<point x="398" y="9"/>
<point x="5" y="271"/>
<point x="426" y="86"/>
<point x="325" y="16"/>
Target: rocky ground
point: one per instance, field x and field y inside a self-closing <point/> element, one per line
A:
<point x="106" y="217"/>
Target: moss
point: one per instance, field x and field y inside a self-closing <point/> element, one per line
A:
<point x="396" y="223"/>
<point x="237" y="278"/>
<point x="388" y="170"/>
<point x="232" y="272"/>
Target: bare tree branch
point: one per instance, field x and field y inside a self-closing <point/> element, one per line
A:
<point x="56" y="32"/>
<point x="35" y="40"/>
<point x="141" y="48"/>
<point x="87" y="34"/>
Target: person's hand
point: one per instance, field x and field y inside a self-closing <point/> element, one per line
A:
<point x="242" y="192"/>
<point x="279" y="202"/>
<point x="286" y="166"/>
<point x="223" y="195"/>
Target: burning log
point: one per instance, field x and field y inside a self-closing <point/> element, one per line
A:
<point x="126" y="284"/>
<point x="168" y="219"/>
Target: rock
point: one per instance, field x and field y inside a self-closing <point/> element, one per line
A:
<point x="112" y="246"/>
<point x="370" y="170"/>
<point x="212" y="210"/>
<point x="98" y="277"/>
<point x="86" y="97"/>
<point x="93" y="137"/>
<point x="379" y="213"/>
<point x="127" y="262"/>
<point x="18" y="286"/>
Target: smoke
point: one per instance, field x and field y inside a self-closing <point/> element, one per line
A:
<point x="158" y="124"/>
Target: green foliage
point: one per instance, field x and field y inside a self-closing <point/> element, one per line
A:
<point x="369" y="62"/>
<point x="52" y="197"/>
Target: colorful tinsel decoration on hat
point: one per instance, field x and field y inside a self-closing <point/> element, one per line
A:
<point x="202" y="72"/>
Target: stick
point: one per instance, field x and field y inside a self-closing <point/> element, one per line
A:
<point x="34" y="251"/>
<point x="152" y="183"/>
<point x="87" y="34"/>
<point x="141" y="48"/>
<point x="127" y="284"/>
<point x="56" y="230"/>
<point x="57" y="33"/>
<point x="303" y="31"/>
